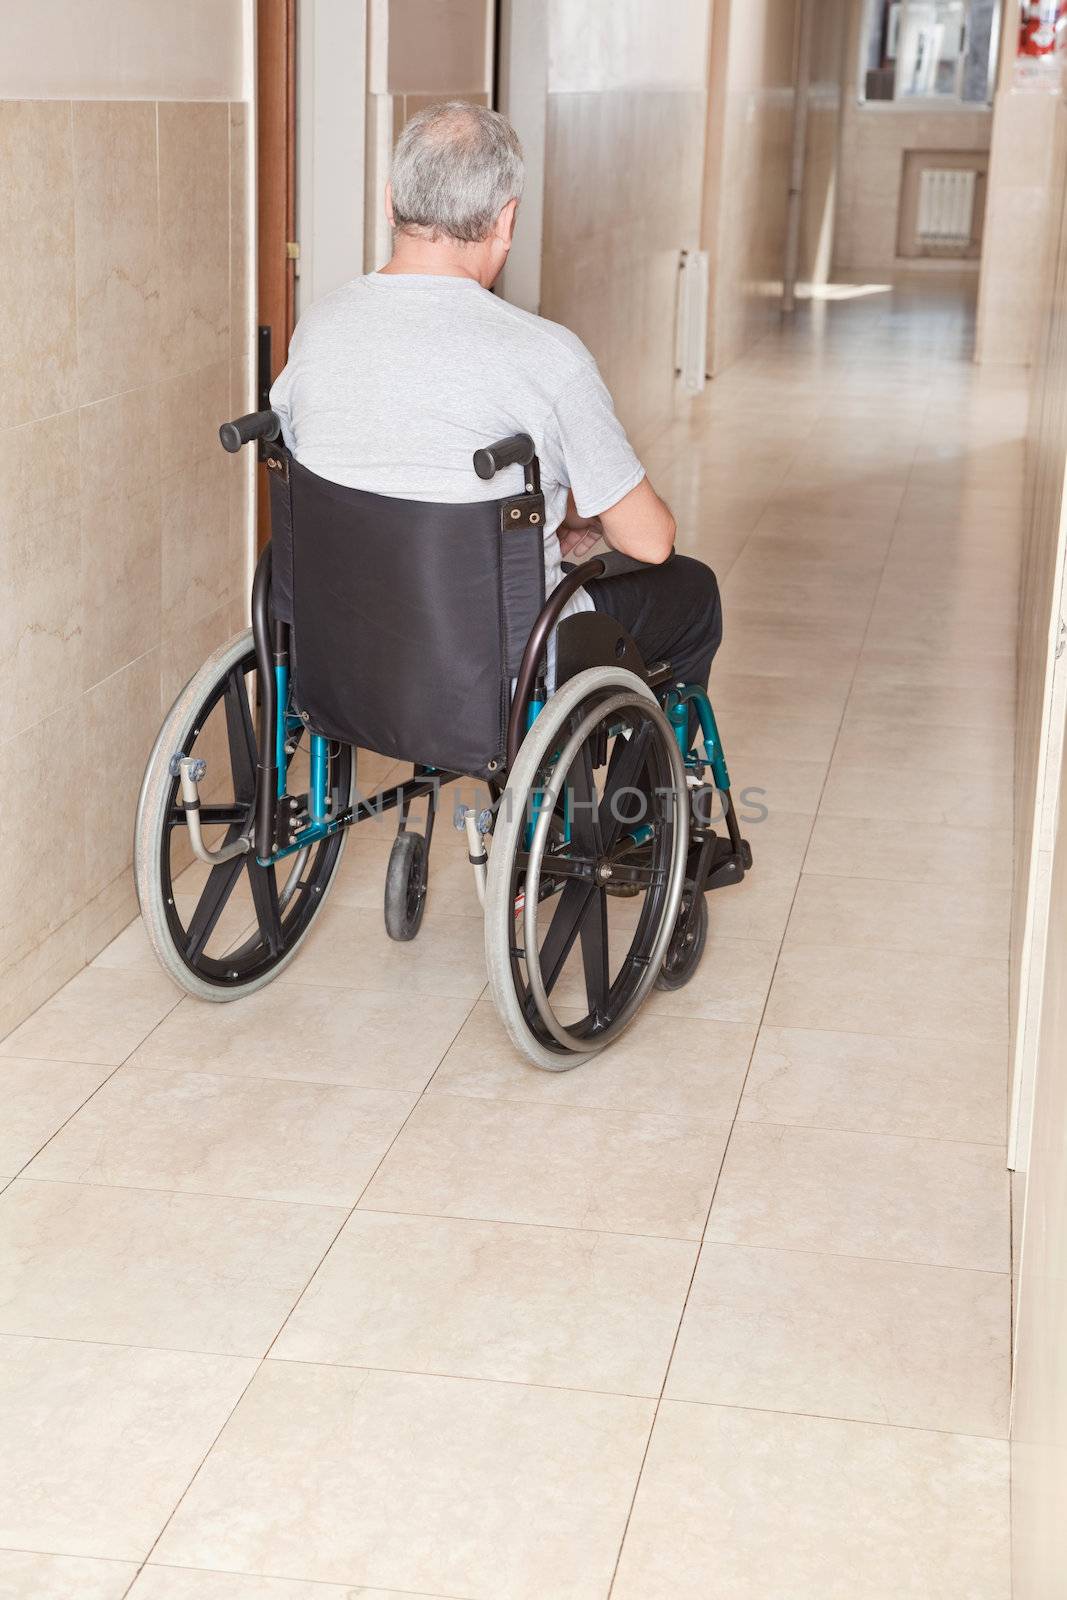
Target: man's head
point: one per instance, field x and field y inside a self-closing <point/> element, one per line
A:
<point x="456" y="181"/>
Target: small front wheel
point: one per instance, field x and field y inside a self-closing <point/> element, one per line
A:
<point x="405" y="886"/>
<point x="687" y="943"/>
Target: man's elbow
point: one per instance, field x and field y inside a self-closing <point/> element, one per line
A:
<point x="665" y="542"/>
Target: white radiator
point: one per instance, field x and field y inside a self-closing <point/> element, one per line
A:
<point x="691" y="333"/>
<point x="946" y="205"/>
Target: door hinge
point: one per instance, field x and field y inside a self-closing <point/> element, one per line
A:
<point x="292" y="251"/>
<point x="1061" y="640"/>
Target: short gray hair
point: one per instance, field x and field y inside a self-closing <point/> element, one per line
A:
<point x="455" y="167"/>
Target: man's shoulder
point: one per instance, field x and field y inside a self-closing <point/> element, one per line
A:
<point x="556" y="343"/>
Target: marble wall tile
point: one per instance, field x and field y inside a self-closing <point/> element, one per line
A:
<point x="201" y="568"/>
<point x="42" y="868"/>
<point x="37" y="292"/>
<point x="121" y="720"/>
<point x="117" y="255"/>
<point x="122" y="274"/>
<point x="120" y="522"/>
<point x="194" y="234"/>
<point x="40" y="618"/>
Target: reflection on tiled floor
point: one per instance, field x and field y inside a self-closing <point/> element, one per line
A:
<point x="325" y="1293"/>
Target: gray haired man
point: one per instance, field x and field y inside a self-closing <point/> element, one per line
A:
<point x="395" y="379"/>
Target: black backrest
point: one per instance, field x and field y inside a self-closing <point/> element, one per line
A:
<point x="408" y="618"/>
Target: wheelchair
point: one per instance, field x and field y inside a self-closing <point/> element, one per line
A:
<point x="422" y="633"/>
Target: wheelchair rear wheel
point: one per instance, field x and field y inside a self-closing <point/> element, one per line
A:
<point x="596" y="802"/>
<point x="225" y="930"/>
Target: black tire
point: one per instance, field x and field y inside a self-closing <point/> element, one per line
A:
<point x="405" y="886"/>
<point x="685" y="949"/>
<point x="215" y="709"/>
<point x="537" y="872"/>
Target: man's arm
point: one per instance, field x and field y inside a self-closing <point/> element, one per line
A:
<point x="640" y="525"/>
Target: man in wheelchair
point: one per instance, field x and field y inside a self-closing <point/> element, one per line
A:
<point x="416" y="600"/>
<point x="395" y="379"/>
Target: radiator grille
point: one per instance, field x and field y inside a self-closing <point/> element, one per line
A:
<point x="946" y="206"/>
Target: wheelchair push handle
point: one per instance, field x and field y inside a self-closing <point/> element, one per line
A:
<point x="517" y="451"/>
<point x="264" y="425"/>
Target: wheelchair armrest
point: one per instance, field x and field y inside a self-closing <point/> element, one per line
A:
<point x="614" y="563"/>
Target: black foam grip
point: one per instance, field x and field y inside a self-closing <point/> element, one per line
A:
<point x="256" y="425"/>
<point x="516" y="451"/>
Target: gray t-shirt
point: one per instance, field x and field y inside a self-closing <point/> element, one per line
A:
<point x="394" y="380"/>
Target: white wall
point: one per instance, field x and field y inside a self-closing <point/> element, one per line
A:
<point x="124" y="50"/>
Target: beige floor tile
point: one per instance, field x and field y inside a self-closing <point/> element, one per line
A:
<point x="957" y="682"/>
<point x="464" y="1299"/>
<point x="506" y="1161"/>
<point x="834" y="1336"/>
<point x="935" y="1202"/>
<point x="863" y="1083"/>
<point x="783" y="648"/>
<point x="177" y="1271"/>
<point x="692" y="1067"/>
<point x="886" y="790"/>
<point x="749" y="698"/>
<point x="262" y="1139"/>
<point x="183" y="1583"/>
<point x="34" y="1577"/>
<point x="758" y="907"/>
<point x="309" y="1033"/>
<point x="779" y="783"/>
<point x="36" y="1098"/>
<point x="132" y="949"/>
<point x="348" y="948"/>
<point x="427" y="1484"/>
<point x="968" y="919"/>
<point x="97" y="1018"/>
<point x="964" y="707"/>
<point x="752" y="740"/>
<point x="914" y="850"/>
<point x="730" y="985"/>
<point x="108" y="1439"/>
<point x="746" y="1505"/>
<point x="916" y="749"/>
<point x="913" y="994"/>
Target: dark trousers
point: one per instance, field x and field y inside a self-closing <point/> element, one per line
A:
<point x="673" y="613"/>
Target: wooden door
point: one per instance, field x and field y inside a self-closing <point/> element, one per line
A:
<point x="276" y="205"/>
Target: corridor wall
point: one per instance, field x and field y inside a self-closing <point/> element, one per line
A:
<point x="1039" y="1409"/>
<point x="623" y="163"/>
<point x="124" y="542"/>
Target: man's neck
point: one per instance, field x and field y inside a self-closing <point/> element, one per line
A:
<point x="437" y="258"/>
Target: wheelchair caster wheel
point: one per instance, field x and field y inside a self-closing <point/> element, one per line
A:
<point x="687" y="944"/>
<point x="405" y="886"/>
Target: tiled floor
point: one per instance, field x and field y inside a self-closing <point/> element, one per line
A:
<point x="323" y="1293"/>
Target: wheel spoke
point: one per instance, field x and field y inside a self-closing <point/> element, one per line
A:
<point x="264" y="884"/>
<point x="210" y="906"/>
<point x="241" y="736"/>
<point x="623" y="773"/>
<point x="566" y="921"/>
<point x="586" y="814"/>
<point x="595" y="956"/>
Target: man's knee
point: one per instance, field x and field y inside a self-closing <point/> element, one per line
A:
<point x="700" y="587"/>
